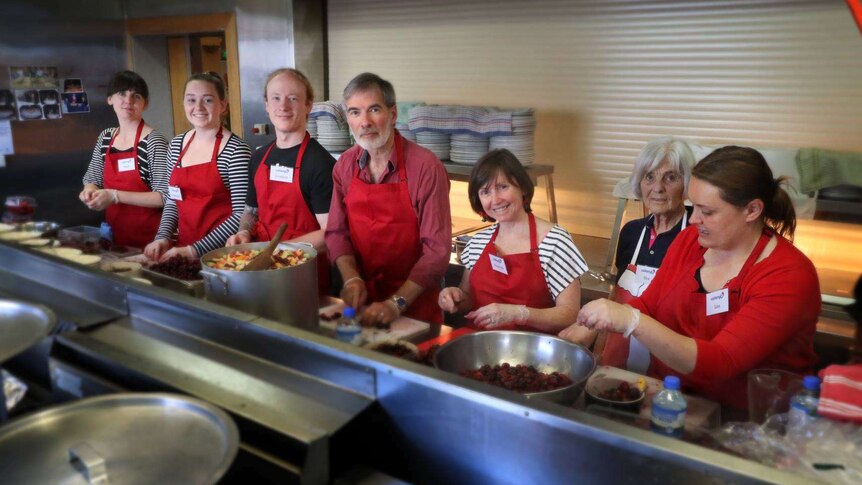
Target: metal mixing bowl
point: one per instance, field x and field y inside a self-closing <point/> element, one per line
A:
<point x="545" y="352"/>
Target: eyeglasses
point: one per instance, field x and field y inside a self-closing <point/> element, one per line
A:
<point x="668" y="178"/>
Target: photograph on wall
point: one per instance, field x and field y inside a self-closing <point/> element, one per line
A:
<point x="35" y="104"/>
<point x="75" y="103"/>
<point x="7" y="105"/>
<point x="34" y="77"/>
<point x="73" y="85"/>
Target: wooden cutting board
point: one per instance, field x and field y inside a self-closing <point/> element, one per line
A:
<point x="703" y="413"/>
<point x="401" y="329"/>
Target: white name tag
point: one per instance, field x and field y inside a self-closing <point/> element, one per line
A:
<point x="717" y="302"/>
<point x="498" y="264"/>
<point x="281" y="174"/>
<point x="125" y="164"/>
<point x="644" y="278"/>
<point x="175" y="193"/>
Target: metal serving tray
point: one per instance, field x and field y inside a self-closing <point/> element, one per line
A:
<point x="194" y="288"/>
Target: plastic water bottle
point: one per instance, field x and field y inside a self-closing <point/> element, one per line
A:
<point x="805" y="402"/>
<point x="348" y="329"/>
<point x="106" y="237"/>
<point x="668" y="409"/>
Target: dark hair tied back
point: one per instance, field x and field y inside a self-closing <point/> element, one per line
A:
<point x="742" y="175"/>
<point x="212" y="78"/>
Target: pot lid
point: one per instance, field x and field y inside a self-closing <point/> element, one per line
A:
<point x="120" y="439"/>
<point x="22" y="325"/>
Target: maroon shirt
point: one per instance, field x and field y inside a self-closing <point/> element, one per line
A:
<point x="428" y="186"/>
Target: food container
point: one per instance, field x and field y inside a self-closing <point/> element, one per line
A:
<point x="596" y="385"/>
<point x="545" y="352"/>
<point x="459" y="244"/>
<point x="120" y="438"/>
<point x="19" y="208"/>
<point x="85" y="238"/>
<point x="48" y="229"/>
<point x="287" y="295"/>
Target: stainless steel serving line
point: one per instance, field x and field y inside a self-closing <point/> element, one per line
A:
<point x="311" y="409"/>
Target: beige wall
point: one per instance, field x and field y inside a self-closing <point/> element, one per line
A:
<point x="607" y="76"/>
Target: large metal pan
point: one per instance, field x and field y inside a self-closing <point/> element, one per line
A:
<point x="287" y="295"/>
<point x="120" y="438"/>
<point x="545" y="352"/>
<point x="22" y="325"/>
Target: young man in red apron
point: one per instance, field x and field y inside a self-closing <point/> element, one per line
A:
<point x="389" y="229"/>
<point x="291" y="182"/>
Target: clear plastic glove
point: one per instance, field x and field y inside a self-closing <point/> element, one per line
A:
<point x="604" y="314"/>
<point x="379" y="312"/>
<point x="86" y="195"/>
<point x="101" y="199"/>
<point x="242" y="237"/>
<point x="497" y="314"/>
<point x="354" y="293"/>
<point x="187" y="252"/>
<point x="578" y="334"/>
<point x="155" y="249"/>
<point x="449" y="299"/>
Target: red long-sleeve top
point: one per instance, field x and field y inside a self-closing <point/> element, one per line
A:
<point x="771" y="326"/>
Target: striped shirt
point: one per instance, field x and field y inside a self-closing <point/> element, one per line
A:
<point x="232" y="163"/>
<point x="560" y="259"/>
<point x="152" y="161"/>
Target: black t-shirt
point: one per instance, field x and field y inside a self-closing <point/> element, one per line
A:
<point x="315" y="178"/>
<point x="650" y="256"/>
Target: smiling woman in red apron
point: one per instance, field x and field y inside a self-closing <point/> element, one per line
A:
<point x="208" y="178"/>
<point x="128" y="171"/>
<point x="290" y="179"/>
<point x="733" y="294"/>
<point x="522" y="273"/>
<point x="660" y="179"/>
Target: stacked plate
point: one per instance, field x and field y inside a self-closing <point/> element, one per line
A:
<point x="438" y="143"/>
<point x="522" y="146"/>
<point x="311" y="127"/>
<point x="467" y="149"/>
<point x="523" y="122"/>
<point x="405" y="131"/>
<point x="333" y="137"/>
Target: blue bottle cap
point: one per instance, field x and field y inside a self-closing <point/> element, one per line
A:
<point x="349" y="312"/>
<point x="812" y="383"/>
<point x="672" y="383"/>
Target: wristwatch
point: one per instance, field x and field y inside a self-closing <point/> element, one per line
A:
<point x="400" y="303"/>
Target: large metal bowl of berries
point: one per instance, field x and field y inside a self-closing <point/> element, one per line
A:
<point x="537" y="365"/>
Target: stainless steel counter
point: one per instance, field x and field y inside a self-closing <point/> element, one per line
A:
<point x="312" y="408"/>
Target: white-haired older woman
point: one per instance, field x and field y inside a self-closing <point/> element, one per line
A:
<point x="660" y="178"/>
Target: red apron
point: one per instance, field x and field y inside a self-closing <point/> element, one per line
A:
<point x="205" y="201"/>
<point x="689" y="318"/>
<point x="629" y="353"/>
<point x="282" y="202"/>
<point x="132" y="225"/>
<point x="384" y="231"/>
<point x="524" y="285"/>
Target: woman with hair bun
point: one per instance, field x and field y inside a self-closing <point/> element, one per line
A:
<point x="733" y="294"/>
<point x="209" y="177"/>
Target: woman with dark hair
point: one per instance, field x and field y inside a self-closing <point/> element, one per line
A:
<point x="209" y="177"/>
<point x="733" y="293"/>
<point x="522" y="273"/>
<point x="127" y="175"/>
